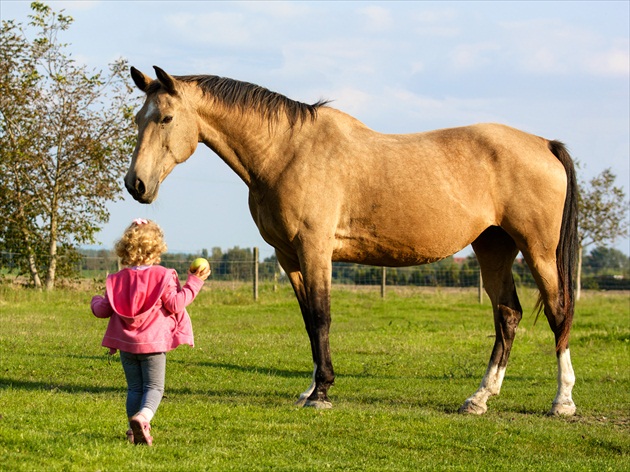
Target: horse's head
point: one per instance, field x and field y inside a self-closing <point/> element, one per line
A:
<point x="167" y="134"/>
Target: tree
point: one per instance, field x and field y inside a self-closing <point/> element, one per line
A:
<point x="603" y="213"/>
<point x="65" y="136"/>
<point x="238" y="263"/>
<point x="606" y="261"/>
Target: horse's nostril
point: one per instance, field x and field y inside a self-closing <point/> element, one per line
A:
<point x="140" y="188"/>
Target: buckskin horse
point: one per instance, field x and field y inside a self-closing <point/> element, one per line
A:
<point x="324" y="187"/>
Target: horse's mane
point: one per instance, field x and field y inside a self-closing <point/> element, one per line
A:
<point x="246" y="96"/>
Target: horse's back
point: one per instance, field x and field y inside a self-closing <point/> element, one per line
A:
<point x="414" y="198"/>
<point x="482" y="149"/>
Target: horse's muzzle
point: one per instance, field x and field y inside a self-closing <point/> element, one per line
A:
<point x="138" y="190"/>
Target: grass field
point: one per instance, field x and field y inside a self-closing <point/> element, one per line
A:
<point x="404" y="365"/>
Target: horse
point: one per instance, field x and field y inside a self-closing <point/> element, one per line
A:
<point x="323" y="187"/>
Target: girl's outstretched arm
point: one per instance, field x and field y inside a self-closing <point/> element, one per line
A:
<point x="101" y="307"/>
<point x="176" y="299"/>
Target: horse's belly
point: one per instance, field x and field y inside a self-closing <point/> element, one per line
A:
<point x="401" y="248"/>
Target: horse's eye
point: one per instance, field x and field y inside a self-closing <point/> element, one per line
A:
<point x="167" y="119"/>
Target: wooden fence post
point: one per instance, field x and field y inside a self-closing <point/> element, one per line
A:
<point x="480" y="288"/>
<point x="383" y="281"/>
<point x="255" y="274"/>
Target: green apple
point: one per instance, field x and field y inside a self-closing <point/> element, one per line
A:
<point x="199" y="264"/>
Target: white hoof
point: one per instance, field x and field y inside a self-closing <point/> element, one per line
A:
<point x="471" y="408"/>
<point x="301" y="401"/>
<point x="318" y="404"/>
<point x="562" y="409"/>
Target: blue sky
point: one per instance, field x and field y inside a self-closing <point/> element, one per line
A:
<point x="556" y="69"/>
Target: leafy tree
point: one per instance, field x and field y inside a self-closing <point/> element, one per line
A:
<point x="216" y="255"/>
<point x="606" y="261"/>
<point x="603" y="213"/>
<point x="237" y="263"/>
<point x="65" y="136"/>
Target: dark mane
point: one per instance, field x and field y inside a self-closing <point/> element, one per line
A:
<point x="247" y="96"/>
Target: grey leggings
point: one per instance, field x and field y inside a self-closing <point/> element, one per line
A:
<point x="145" y="375"/>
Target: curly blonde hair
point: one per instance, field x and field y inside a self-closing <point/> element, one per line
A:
<point x="142" y="243"/>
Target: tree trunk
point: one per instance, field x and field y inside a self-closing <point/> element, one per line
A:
<point x="578" y="281"/>
<point x="32" y="267"/>
<point x="52" y="244"/>
<point x="30" y="254"/>
<point x="52" y="255"/>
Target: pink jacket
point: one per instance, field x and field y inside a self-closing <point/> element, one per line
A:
<point x="146" y="308"/>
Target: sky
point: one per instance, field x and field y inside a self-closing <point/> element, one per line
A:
<point x="555" y="69"/>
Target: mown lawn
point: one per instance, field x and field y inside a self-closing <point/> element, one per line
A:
<point x="404" y="365"/>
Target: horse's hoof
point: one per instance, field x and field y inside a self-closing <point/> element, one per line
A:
<point x="301" y="401"/>
<point x="471" y="408"/>
<point x="562" y="409"/>
<point x="318" y="404"/>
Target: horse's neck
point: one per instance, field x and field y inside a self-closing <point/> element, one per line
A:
<point x="250" y="147"/>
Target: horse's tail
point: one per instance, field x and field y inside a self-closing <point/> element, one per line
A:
<point x="566" y="252"/>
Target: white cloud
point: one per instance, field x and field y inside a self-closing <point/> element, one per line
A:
<point x="336" y="58"/>
<point x="351" y="100"/>
<point x="473" y="55"/>
<point x="277" y="9"/>
<point x="612" y="63"/>
<point x="416" y="67"/>
<point x="551" y="47"/>
<point x="543" y="60"/>
<point x="226" y="28"/>
<point x="438" y="23"/>
<point x="451" y="110"/>
<point x="74" y="5"/>
<point x="436" y="16"/>
<point x="377" y="19"/>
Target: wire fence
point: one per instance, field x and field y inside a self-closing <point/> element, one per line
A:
<point x="250" y="270"/>
<point x="254" y="271"/>
<point x="342" y="273"/>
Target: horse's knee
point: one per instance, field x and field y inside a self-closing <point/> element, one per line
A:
<point x="508" y="320"/>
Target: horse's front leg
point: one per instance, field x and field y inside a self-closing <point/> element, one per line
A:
<point x="315" y="307"/>
<point x="301" y="401"/>
<point x="323" y="374"/>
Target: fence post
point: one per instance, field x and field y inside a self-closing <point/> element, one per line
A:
<point x="255" y="274"/>
<point x="383" y="281"/>
<point x="480" y="288"/>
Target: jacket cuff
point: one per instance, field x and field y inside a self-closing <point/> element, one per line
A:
<point x="194" y="282"/>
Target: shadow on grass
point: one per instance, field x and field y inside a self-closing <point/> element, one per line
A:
<point x="451" y="375"/>
<point x="6" y="383"/>
<point x="249" y="369"/>
<point x="271" y="398"/>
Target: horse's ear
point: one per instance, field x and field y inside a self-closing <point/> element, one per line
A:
<point x="166" y="80"/>
<point x="141" y="80"/>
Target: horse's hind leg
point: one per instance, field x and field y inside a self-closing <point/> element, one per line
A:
<point x="496" y="252"/>
<point x="545" y="273"/>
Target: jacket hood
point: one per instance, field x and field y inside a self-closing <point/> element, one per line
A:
<point x="134" y="292"/>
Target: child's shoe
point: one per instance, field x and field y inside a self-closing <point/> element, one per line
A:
<point x="130" y="435"/>
<point x="141" y="430"/>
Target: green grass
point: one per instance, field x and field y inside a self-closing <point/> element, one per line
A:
<point x="404" y="365"/>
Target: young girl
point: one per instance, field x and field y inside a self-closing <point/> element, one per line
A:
<point x="146" y="307"/>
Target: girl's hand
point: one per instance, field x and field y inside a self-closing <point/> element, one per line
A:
<point x="203" y="273"/>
